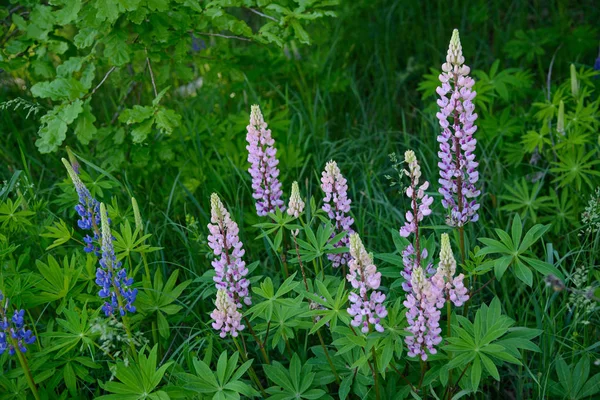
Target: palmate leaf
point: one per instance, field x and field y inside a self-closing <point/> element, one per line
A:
<point x="515" y="250"/>
<point x="58" y="281"/>
<point x="159" y="298"/>
<point x="295" y="383"/>
<point x="223" y="383"/>
<point x="264" y="309"/>
<point x="138" y="380"/>
<point x="576" y="167"/>
<point x="483" y="345"/>
<point x="76" y="331"/>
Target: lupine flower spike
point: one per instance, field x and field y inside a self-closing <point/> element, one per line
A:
<point x="337" y="206"/>
<point x="88" y="209"/>
<point x="419" y="208"/>
<point x="263" y="165"/>
<point x="227" y="317"/>
<point x="12" y="329"/>
<point x="453" y="287"/>
<point x="424" y="298"/>
<point x="296" y="205"/>
<point x="423" y="315"/>
<point x="112" y="279"/>
<point x="230" y="278"/>
<point x="458" y="168"/>
<point x="366" y="303"/>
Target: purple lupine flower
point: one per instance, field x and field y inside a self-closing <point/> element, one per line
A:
<point x="112" y="279"/>
<point x="13" y="329"/>
<point x="337" y="206"/>
<point x="263" y="165"/>
<point x="88" y="209"/>
<point x="423" y="315"/>
<point x="229" y="267"/>
<point x="453" y="287"/>
<point x="458" y="168"/>
<point x="424" y="298"/>
<point x="226" y="315"/>
<point x="366" y="305"/>
<point x="420" y="202"/>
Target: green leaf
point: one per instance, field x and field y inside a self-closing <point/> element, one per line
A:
<point x="476" y="373"/>
<point x="85" y="37"/>
<point x="84" y="128"/>
<point x="116" y="48"/>
<point x="58" y="89"/>
<point x="167" y="120"/>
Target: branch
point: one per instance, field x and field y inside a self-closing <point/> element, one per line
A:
<point x="262" y="15"/>
<point x="223" y="36"/>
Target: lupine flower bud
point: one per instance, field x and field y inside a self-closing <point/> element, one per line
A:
<point x="139" y="225"/>
<point x="296" y="205"/>
<point x="458" y="168"/>
<point x="337" y="206"/>
<point x="229" y="267"/>
<point x="73" y="160"/>
<point x="574" y="82"/>
<point x="88" y="209"/>
<point x="226" y="316"/>
<point x="263" y="165"/>
<point x="452" y="287"/>
<point x="560" y="124"/>
<point x="112" y="279"/>
<point x="13" y="329"/>
<point x="366" y="306"/>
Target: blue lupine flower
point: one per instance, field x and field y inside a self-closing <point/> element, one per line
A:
<point x="88" y="209"/>
<point x="13" y="328"/>
<point x="112" y="279"/>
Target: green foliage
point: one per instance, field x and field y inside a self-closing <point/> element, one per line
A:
<point x="515" y="250"/>
<point x="153" y="98"/>
<point x="223" y="383"/>
<point x="138" y="381"/>
<point x="68" y="50"/>
<point x="483" y="345"/>
<point x="295" y="383"/>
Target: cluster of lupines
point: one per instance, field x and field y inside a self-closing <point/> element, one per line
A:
<point x="458" y="168"/>
<point x="337" y="206"/>
<point x="263" y="165"/>
<point x="111" y="277"/>
<point x="452" y="287"/>
<point x="13" y="329"/>
<point x="230" y="269"/>
<point x="88" y="209"/>
<point x="366" y="304"/>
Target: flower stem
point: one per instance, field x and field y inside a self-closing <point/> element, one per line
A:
<point x="333" y="369"/>
<point x="26" y="370"/>
<point x="260" y="344"/>
<point x="448" y="334"/>
<point x="252" y="373"/>
<point x="375" y="373"/>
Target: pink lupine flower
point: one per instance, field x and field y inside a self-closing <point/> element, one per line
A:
<point x="420" y="202"/>
<point x="423" y="315"/>
<point x="458" y="168"/>
<point x="226" y="316"/>
<point x="230" y="269"/>
<point x="263" y="165"/>
<point x="453" y="287"/>
<point x="367" y="305"/>
<point x="296" y="205"/>
<point x="337" y="206"/>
